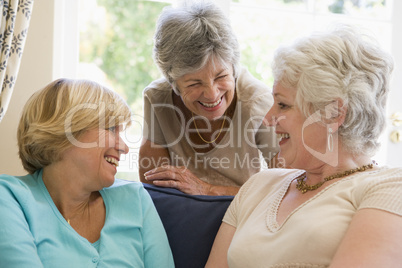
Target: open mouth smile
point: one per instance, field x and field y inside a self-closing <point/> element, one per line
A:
<point x="211" y="105"/>
<point x="112" y="161"/>
<point x="283" y="137"/>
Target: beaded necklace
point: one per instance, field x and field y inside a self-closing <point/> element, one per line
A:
<point x="303" y="187"/>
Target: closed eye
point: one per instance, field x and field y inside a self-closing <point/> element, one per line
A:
<point x="193" y="85"/>
<point x="222" y="76"/>
<point x="112" y="129"/>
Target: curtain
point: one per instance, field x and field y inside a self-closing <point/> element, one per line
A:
<point x="15" y="17"/>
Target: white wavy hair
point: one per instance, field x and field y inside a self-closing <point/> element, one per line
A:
<point x="340" y="65"/>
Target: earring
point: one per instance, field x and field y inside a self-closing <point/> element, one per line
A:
<point x="330" y="141"/>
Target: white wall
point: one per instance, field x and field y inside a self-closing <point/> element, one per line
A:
<point x="36" y="70"/>
<point x="394" y="150"/>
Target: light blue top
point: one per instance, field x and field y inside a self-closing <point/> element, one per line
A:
<point x="33" y="233"/>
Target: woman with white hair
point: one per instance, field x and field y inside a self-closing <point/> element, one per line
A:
<point x="335" y="207"/>
<point x="203" y="131"/>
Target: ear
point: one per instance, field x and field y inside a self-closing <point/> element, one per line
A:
<point x="335" y="114"/>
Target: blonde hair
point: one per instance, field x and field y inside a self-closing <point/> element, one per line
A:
<point x="62" y="111"/>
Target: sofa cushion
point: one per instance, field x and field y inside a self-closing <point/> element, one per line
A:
<point x="191" y="223"/>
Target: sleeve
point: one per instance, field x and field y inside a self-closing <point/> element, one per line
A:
<point x="157" y="252"/>
<point x="17" y="245"/>
<point x="382" y="193"/>
<point x="151" y="126"/>
<point x="232" y="214"/>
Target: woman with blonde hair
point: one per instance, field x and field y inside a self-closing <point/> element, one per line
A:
<point x="69" y="211"/>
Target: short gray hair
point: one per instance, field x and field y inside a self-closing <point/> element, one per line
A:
<point x="340" y="64"/>
<point x="189" y="35"/>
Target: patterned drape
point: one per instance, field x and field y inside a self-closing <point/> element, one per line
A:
<point x="15" y="16"/>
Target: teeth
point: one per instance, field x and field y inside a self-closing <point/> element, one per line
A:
<point x="283" y="135"/>
<point x="211" y="105"/>
<point x="112" y="161"/>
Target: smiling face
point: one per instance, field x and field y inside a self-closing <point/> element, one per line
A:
<point x="209" y="91"/>
<point x="98" y="162"/>
<point x="298" y="135"/>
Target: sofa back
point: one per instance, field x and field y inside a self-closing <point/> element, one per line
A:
<point x="191" y="223"/>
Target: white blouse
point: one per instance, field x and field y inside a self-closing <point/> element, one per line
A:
<point x="311" y="234"/>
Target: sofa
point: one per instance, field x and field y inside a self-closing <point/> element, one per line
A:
<point x="191" y="223"/>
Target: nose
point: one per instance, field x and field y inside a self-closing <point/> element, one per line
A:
<point x="121" y="146"/>
<point x="270" y="119"/>
<point x="211" y="92"/>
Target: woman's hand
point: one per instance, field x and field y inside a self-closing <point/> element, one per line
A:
<point x="177" y="177"/>
<point x="180" y="178"/>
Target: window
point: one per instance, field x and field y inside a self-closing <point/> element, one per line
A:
<point x="116" y="39"/>
<point x="261" y="26"/>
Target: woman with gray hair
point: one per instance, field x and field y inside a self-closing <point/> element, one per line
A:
<point x="336" y="207"/>
<point x="203" y="131"/>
